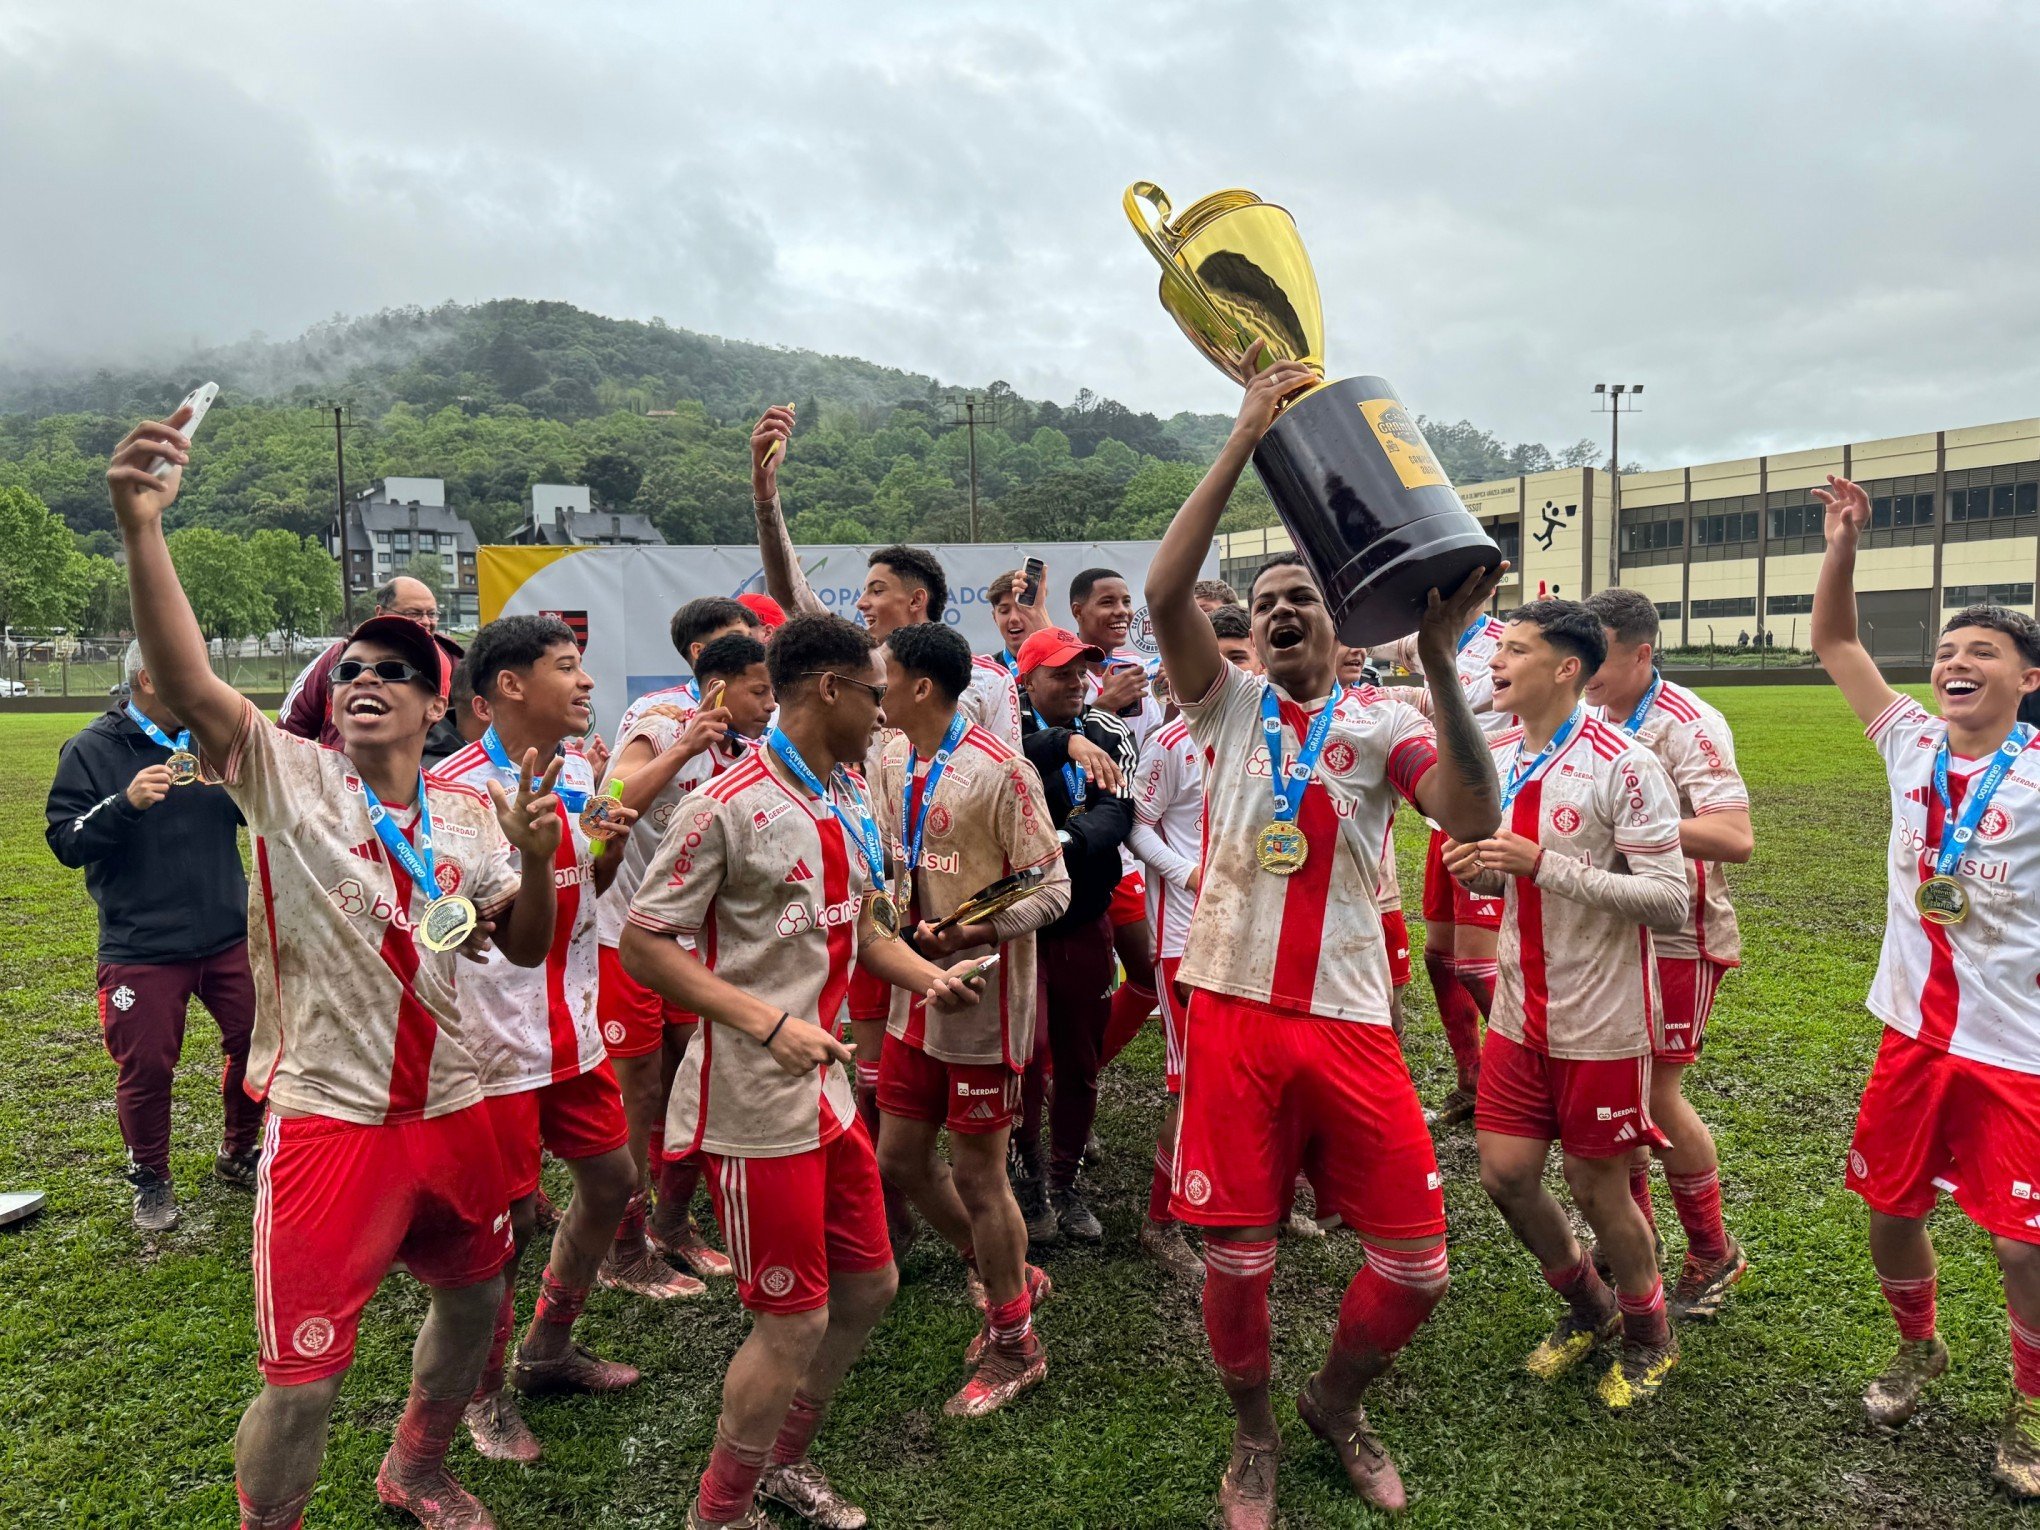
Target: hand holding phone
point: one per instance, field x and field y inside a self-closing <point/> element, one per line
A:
<point x="198" y="401"/>
<point x="1033" y="580"/>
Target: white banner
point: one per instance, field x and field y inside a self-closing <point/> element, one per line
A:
<point x="624" y="597"/>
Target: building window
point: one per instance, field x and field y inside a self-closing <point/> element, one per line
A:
<point x="1993" y="502"/>
<point x="1901" y="511"/>
<point x="1706" y="609"/>
<point x="401" y="541"/>
<point x="383" y="537"/>
<point x="1725" y="528"/>
<point x="1654" y="534"/>
<point x="1788" y="605"/>
<point x="1958" y="595"/>
<point x="1668" y="610"/>
<point x="1508" y="537"/>
<point x="1796" y="522"/>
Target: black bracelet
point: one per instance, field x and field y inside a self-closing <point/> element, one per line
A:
<point x="783" y="1018"/>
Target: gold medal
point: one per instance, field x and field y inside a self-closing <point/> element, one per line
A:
<point x="1281" y="848"/>
<point x="1941" y="900"/>
<point x="595" y="821"/>
<point x="903" y="897"/>
<point x="449" y="921"/>
<point x="885" y="916"/>
<point x="183" y="767"/>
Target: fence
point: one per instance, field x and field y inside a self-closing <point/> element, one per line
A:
<point x="90" y="669"/>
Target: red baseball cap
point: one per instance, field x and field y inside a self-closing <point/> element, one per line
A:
<point x="1053" y="647"/>
<point x="766" y="609"/>
<point x="413" y="642"/>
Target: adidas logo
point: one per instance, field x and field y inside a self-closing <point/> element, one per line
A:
<point x="1627" y="1134"/>
<point x="982" y="1111"/>
<point x="1917" y="794"/>
<point x="800" y="872"/>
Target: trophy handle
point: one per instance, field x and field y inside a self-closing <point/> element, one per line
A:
<point x="1154" y="235"/>
<point x="1183" y="295"/>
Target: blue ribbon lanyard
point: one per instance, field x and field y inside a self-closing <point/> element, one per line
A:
<point x="1472" y="630"/>
<point x="1304" y="771"/>
<point x="418" y="863"/>
<point x="863" y="829"/>
<point x="1955" y="841"/>
<point x="913" y="826"/>
<point x="1635" y="723"/>
<point x="574" y="799"/>
<point x="1012" y="664"/>
<point x="1073" y="778"/>
<point x="156" y="734"/>
<point x="1520" y="777"/>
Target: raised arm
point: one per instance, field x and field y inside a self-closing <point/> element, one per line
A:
<point x="1462" y="797"/>
<point x="1835" y="642"/>
<point x="173" y="649"/>
<point x="784" y="581"/>
<point x="1189" y="648"/>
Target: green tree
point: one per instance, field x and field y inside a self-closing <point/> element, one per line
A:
<point x="105" y="613"/>
<point x="43" y="580"/>
<point x="302" y="579"/>
<point x="222" y="582"/>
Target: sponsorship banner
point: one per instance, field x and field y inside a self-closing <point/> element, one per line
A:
<point x="620" y="600"/>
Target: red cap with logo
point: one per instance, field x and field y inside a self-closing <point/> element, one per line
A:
<point x="766" y="609"/>
<point x="1054" y="647"/>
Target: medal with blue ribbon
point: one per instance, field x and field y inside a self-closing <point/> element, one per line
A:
<point x="1521" y="776"/>
<point x="1942" y="899"/>
<point x="913" y="826"/>
<point x="182" y="762"/>
<point x="590" y="808"/>
<point x="1642" y="709"/>
<point x="885" y="914"/>
<point x="1282" y="847"/>
<point x="449" y="917"/>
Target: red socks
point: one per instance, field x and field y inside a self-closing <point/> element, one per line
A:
<point x="1236" y="1278"/>
<point x="557" y="1303"/>
<point x="1697" y="1199"/>
<point x="1580" y="1285"/>
<point x="1131" y="1007"/>
<point x="1459" y="1013"/>
<point x="867" y="1094"/>
<point x="803" y="1419"/>
<point x="288" y="1515"/>
<point x="499" y="1341"/>
<point x="1639" y="1192"/>
<point x="1011" y="1322"/>
<point x="1643" y="1317"/>
<point x="731" y="1480"/>
<point x="677" y="1179"/>
<point x="423" y="1434"/>
<point x="1912" y="1304"/>
<point x="630" y="1232"/>
<point x="2025" y="1358"/>
<point x="1390" y="1298"/>
<point x="1158" y="1186"/>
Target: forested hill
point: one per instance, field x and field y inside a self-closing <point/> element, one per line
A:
<point x="495" y="397"/>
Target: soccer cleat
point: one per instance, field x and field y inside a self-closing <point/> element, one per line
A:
<point x="801" y="1487"/>
<point x="1246" y="1498"/>
<point x="1299" y="1224"/>
<point x="754" y="1519"/>
<point x="1074" y="1217"/>
<point x="1368" y="1465"/>
<point x="1455" y="1108"/>
<point x="1638" y="1373"/>
<point x="1094" y="1153"/>
<point x="499" y="1430"/>
<point x="1894" y="1396"/>
<point x="436" y="1501"/>
<point x="2018" y="1452"/>
<point x="646" y="1274"/>
<point x="689" y="1248"/>
<point x="1571" y="1342"/>
<point x="1032" y="1194"/>
<point x="1703" y="1284"/>
<point x="572" y="1370"/>
<point x="1039" y="1288"/>
<point x="155" y="1201"/>
<point x="547" y="1213"/>
<point x="1004" y="1372"/>
<point x="1167" y="1247"/>
<point x="237" y="1169"/>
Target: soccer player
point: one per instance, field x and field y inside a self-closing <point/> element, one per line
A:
<point x="1693" y="743"/>
<point x="694" y="626"/>
<point x="1212" y="594"/>
<point x="1290" y="1062"/>
<point x="668" y="754"/>
<point x="545" y="1071"/>
<point x="965" y="811"/>
<point x="1953" y="1100"/>
<point x="366" y="881"/>
<point x="1587" y="865"/>
<point x="775" y="871"/>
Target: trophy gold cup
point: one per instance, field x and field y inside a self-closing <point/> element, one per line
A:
<point x="1351" y="475"/>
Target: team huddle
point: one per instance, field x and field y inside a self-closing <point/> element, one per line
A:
<point x="832" y="935"/>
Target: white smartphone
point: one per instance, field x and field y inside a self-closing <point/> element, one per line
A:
<point x="983" y="968"/>
<point x="200" y="399"/>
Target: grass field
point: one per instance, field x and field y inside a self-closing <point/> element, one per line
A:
<point x="124" y="1363"/>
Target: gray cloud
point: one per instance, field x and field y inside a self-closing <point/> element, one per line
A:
<point x="1794" y="222"/>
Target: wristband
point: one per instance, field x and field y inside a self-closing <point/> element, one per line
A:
<point x="783" y="1018"/>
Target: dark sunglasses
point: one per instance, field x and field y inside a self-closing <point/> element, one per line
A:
<point x="877" y="691"/>
<point x="389" y="671"/>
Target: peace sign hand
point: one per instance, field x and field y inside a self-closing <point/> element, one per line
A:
<point x="530" y="820"/>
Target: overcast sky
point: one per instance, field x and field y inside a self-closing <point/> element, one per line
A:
<point x="1796" y="223"/>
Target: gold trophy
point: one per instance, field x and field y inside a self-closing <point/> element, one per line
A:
<point x="1351" y="475"/>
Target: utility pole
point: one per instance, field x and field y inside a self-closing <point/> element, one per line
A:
<point x="971" y="405"/>
<point x="1612" y="396"/>
<point x="339" y="408"/>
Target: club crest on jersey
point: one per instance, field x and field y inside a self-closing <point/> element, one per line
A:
<point x="613" y="1032"/>
<point x="776" y="1281"/>
<point x="1196" y="1187"/>
<point x="940" y="822"/>
<point x="1565" y="818"/>
<point x="1858" y="1166"/>
<point x="449" y="876"/>
<point x="1141" y="634"/>
<point x="765" y="816"/>
<point x="1996" y="823"/>
<point x="1340" y="757"/>
<point x="313" y="1337"/>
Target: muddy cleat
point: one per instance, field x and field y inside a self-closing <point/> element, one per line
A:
<point x="1455" y="1108"/>
<point x="1167" y="1247"/>
<point x="1093" y="1155"/>
<point x="1703" y="1284"/>
<point x="1571" y="1342"/>
<point x="436" y="1501"/>
<point x="1003" y="1373"/>
<point x="1894" y="1396"/>
<point x="1039" y="1288"/>
<point x="1246" y="1498"/>
<point x="801" y="1487"/>
<point x="237" y="1169"/>
<point x="1076" y="1219"/>
<point x="754" y="1519"/>
<point x="499" y="1430"/>
<point x="155" y="1201"/>
<point x="547" y="1213"/>
<point x="1299" y="1224"/>
<point x="1638" y="1373"/>
<point x="2018" y="1452"/>
<point x="1368" y="1466"/>
<point x="646" y="1274"/>
<point x="687" y="1247"/>
<point x="574" y="1370"/>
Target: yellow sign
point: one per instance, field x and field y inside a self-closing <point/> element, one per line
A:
<point x="1405" y="445"/>
<point x="500" y="570"/>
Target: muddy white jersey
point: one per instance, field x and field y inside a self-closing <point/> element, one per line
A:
<point x="659" y="730"/>
<point x="1476" y="647"/>
<point x="1971" y="988"/>
<point x="1388" y="896"/>
<point x="678" y="698"/>
<point x="992" y="701"/>
<point x="1168" y="830"/>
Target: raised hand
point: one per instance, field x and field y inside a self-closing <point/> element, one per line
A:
<point x="530" y="820"/>
<point x="1268" y="392"/>
<point x="139" y="496"/>
<point x="1846" y="506"/>
<point x="704" y="728"/>
<point x="1445" y="618"/>
<point x="800" y="1047"/>
<point x="769" y="438"/>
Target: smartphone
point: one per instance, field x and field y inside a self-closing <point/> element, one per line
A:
<point x="1033" y="576"/>
<point x="200" y="399"/>
<point x="714" y="697"/>
<point x="983" y="968"/>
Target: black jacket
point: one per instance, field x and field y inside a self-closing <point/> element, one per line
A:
<point x="168" y="880"/>
<point x="1092" y="855"/>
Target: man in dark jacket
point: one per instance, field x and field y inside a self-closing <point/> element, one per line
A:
<point x="161" y="861"/>
<point x="1074" y="958"/>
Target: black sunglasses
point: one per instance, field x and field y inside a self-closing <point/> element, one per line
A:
<point x="390" y="671"/>
<point x="877" y="691"/>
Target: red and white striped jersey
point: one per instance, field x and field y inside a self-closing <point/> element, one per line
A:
<point x="992" y="701"/>
<point x="1168" y="829"/>
<point x="1578" y="972"/>
<point x="532" y="1026"/>
<point x="679" y="698"/>
<point x="1967" y="988"/>
<point x="1309" y="943"/>
<point x="1471" y="665"/>
<point x="1388" y="896"/>
<point x="1692" y="741"/>
<point x="764" y="882"/>
<point x="354" y="1018"/>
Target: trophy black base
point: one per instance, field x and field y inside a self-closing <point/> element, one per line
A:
<point x="1369" y="509"/>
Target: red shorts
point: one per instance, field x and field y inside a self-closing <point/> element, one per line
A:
<point x="1931" y="1121"/>
<point x="1129" y="901"/>
<point x="870" y="997"/>
<point x="1268" y="1094"/>
<point x="975" y="1099"/>
<point x="1395" y="934"/>
<point x="337" y="1203"/>
<point x="790" y="1223"/>
<point x="1446" y="901"/>
<point x="1687" y="985"/>
<point x="575" y="1118"/>
<point x="1593" y="1108"/>
<point x="1175" y="1007"/>
<point x="634" y="1018"/>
